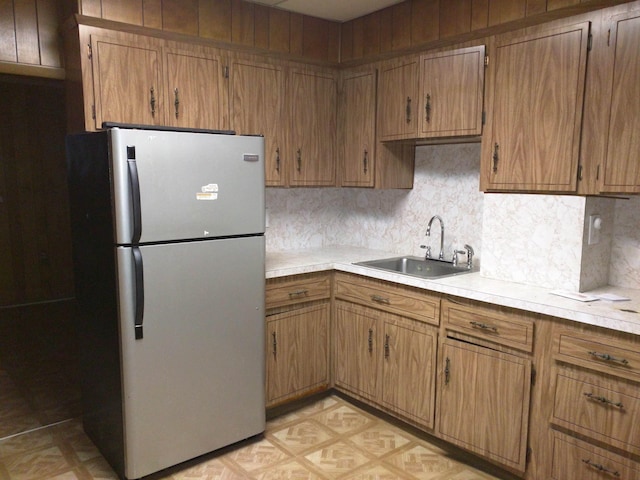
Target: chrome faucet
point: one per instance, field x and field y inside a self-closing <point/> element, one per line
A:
<point x="468" y="251"/>
<point x="441" y="254"/>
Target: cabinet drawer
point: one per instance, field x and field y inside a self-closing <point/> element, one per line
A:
<point x="297" y="289"/>
<point x="404" y="301"/>
<point x="597" y="352"/>
<point x="494" y="324"/>
<point x="602" y="408"/>
<point x="577" y="460"/>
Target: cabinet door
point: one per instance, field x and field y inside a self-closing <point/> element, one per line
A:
<point x="621" y="172"/>
<point x="257" y="92"/>
<point x="408" y="378"/>
<point x="127" y="81"/>
<point x="535" y="97"/>
<point x="297" y="349"/>
<point x="451" y="93"/>
<point x="197" y="96"/>
<point x="484" y="402"/>
<point x="356" y="352"/>
<point x="356" y="132"/>
<point x="397" y="101"/>
<point x="313" y="97"/>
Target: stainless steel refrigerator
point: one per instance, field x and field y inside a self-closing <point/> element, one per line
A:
<point x="168" y="242"/>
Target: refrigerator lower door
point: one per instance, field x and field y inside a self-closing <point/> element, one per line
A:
<point x="194" y="382"/>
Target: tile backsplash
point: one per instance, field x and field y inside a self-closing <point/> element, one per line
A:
<point x="445" y="184"/>
<point x="532" y="239"/>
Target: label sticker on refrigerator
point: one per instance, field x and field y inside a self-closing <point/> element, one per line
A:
<point x="208" y="192"/>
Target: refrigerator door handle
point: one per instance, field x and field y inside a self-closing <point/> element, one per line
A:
<point x="139" y="292"/>
<point x="135" y="195"/>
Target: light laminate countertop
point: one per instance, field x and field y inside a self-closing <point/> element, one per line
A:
<point x="621" y="316"/>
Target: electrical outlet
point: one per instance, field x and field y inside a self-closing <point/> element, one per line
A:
<point x="595" y="225"/>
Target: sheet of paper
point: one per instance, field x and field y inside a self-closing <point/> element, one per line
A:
<point x="611" y="297"/>
<point x="581" y="297"/>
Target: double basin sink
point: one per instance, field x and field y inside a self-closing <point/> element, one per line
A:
<point x="417" y="267"/>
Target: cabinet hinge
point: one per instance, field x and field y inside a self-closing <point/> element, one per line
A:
<point x="225" y="71"/>
<point x="89" y="51"/>
<point x="533" y="376"/>
<point x="484" y="117"/>
<point x="486" y="60"/>
<point x="93" y="112"/>
<point x="589" y="42"/>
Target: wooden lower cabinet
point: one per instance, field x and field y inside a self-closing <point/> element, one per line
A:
<point x="356" y="350"/>
<point x="297" y="336"/>
<point x="484" y="402"/>
<point x="297" y="348"/>
<point x="577" y="460"/>
<point x="386" y="359"/>
<point x="408" y="380"/>
<point x="596" y="397"/>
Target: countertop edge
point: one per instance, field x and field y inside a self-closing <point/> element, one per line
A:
<point x="472" y="286"/>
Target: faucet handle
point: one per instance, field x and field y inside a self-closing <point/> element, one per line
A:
<point x="454" y="258"/>
<point x="428" y="252"/>
<point x="470" y="254"/>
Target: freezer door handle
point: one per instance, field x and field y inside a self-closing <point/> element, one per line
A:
<point x="135" y="195"/>
<point x="139" y="292"/>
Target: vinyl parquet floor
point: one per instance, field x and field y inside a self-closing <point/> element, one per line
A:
<point x="328" y="439"/>
<point x="41" y="434"/>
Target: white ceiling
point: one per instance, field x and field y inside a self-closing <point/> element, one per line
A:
<point x="336" y="10"/>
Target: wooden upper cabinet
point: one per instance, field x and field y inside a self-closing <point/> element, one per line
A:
<point x="398" y="100"/>
<point x="534" y="110"/>
<point x="312" y="115"/>
<point x="621" y="165"/>
<point x="357" y="129"/>
<point x="196" y="90"/>
<point x="127" y="82"/>
<point x="364" y="161"/>
<point x="451" y="93"/>
<point x="256" y="102"/>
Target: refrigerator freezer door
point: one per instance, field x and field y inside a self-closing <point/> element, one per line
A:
<point x="194" y="382"/>
<point x="189" y="185"/>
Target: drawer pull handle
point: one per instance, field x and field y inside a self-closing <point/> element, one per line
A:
<point x="370" y="340"/>
<point x="604" y="400"/>
<point x="601" y="468"/>
<point x="483" y="326"/>
<point x="386" y="346"/>
<point x="379" y="299"/>
<point x="609" y="358"/>
<point x="298" y="293"/>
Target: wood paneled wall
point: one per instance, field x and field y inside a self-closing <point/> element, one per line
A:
<point x="231" y="21"/>
<point x="418" y="22"/>
<point x="35" y="241"/>
<point x="29" y="32"/>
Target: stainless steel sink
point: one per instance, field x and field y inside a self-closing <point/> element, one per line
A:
<point x="417" y="267"/>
